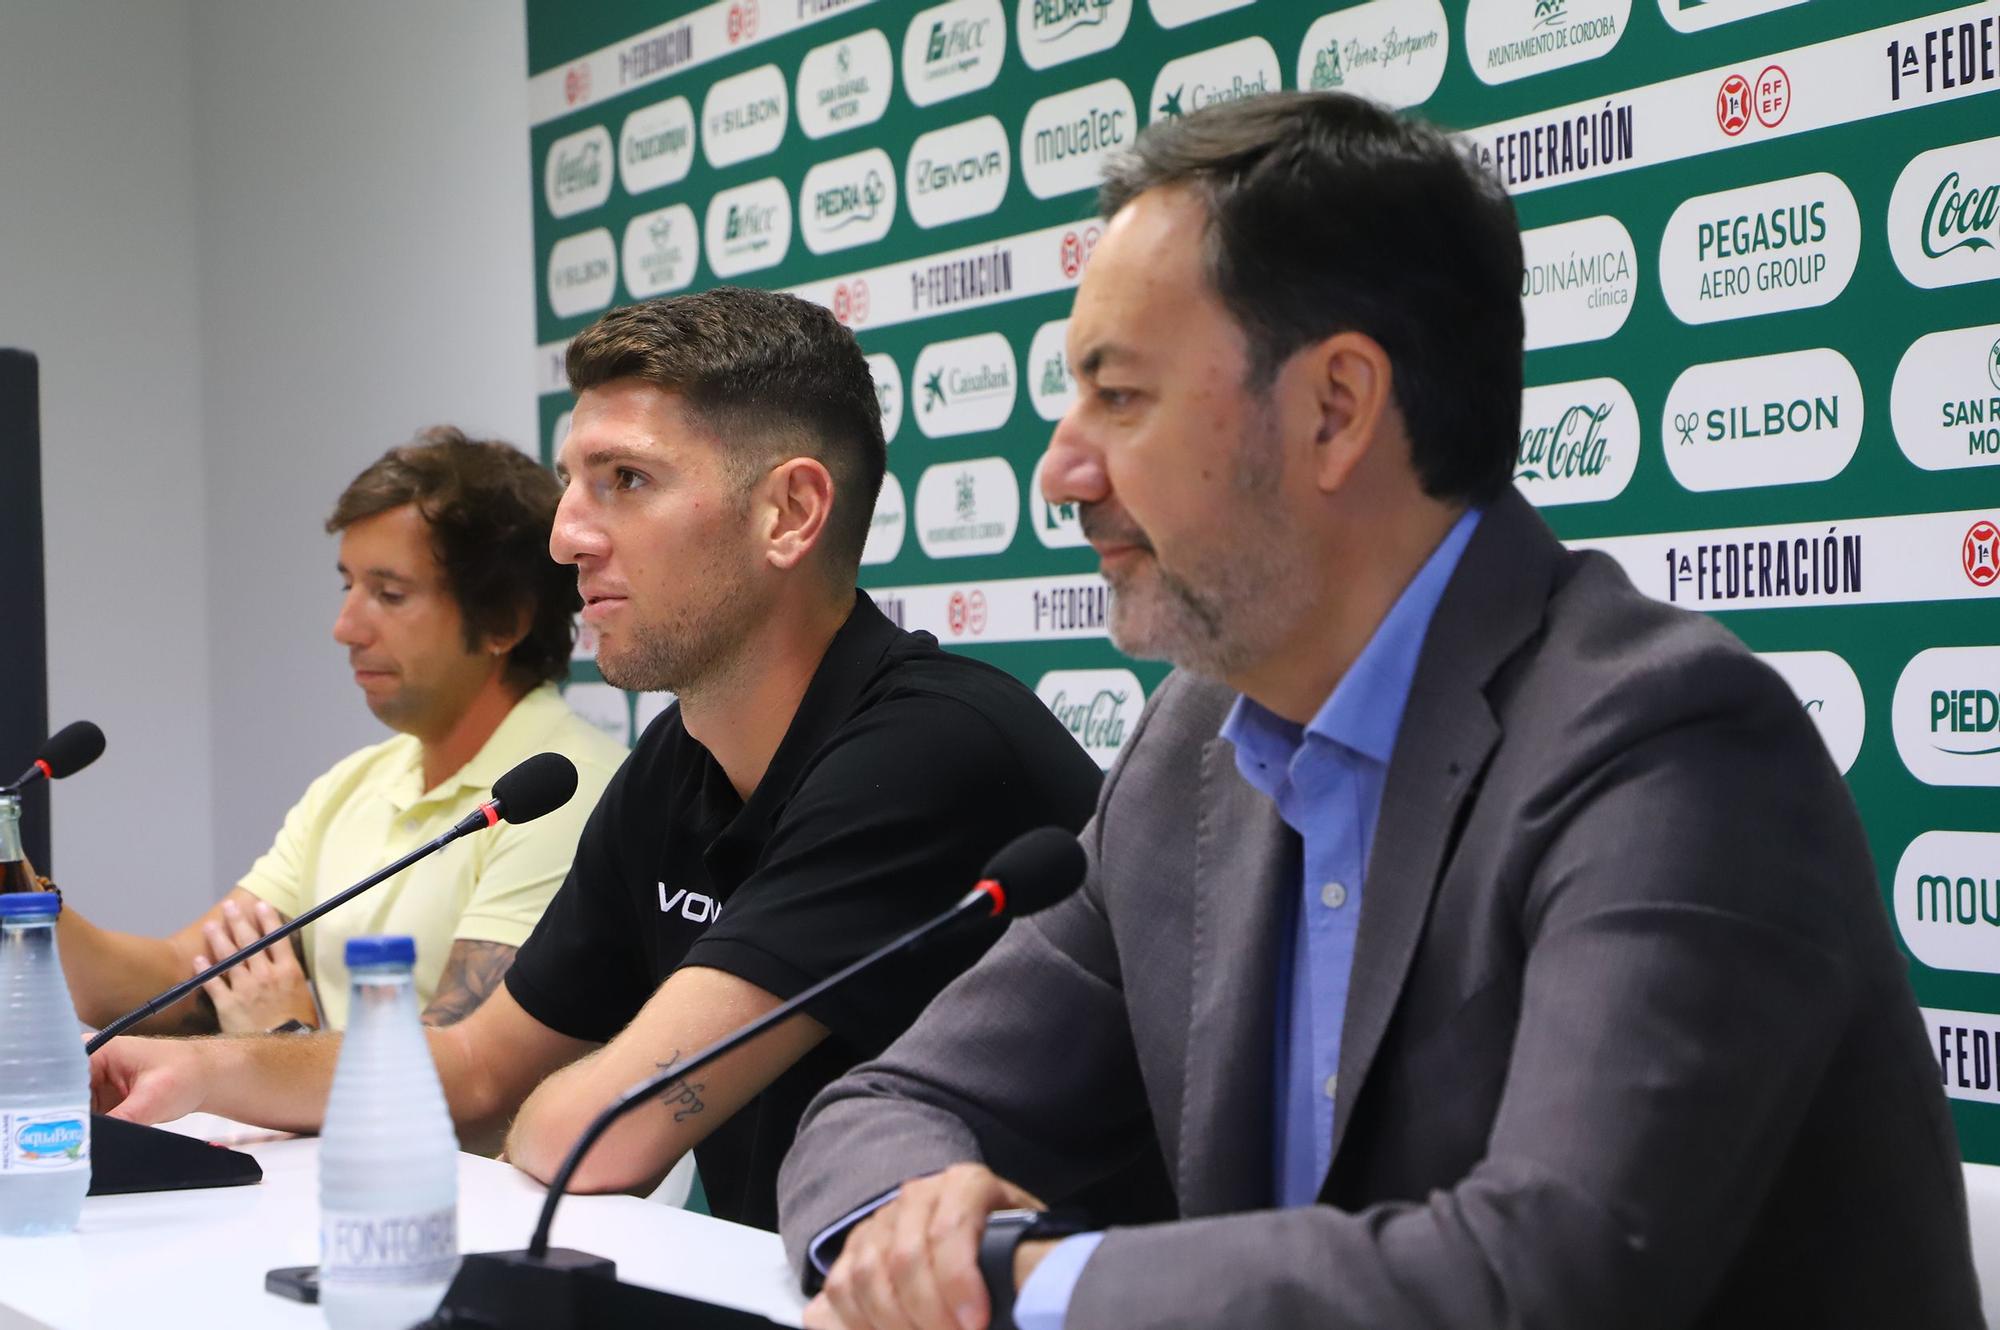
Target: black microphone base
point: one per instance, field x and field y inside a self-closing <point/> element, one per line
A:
<point x="569" y="1290"/>
<point x="126" y="1157"/>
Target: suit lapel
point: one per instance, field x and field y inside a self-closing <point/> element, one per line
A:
<point x="1494" y="602"/>
<point x="1246" y="867"/>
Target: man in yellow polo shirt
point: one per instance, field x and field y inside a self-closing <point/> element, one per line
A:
<point x="456" y="623"/>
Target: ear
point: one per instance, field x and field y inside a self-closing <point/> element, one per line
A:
<point x="1349" y="379"/>
<point x="793" y="503"/>
<point x="499" y="645"/>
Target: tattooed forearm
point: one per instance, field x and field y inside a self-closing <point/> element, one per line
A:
<point x="683" y="1098"/>
<point x="473" y="970"/>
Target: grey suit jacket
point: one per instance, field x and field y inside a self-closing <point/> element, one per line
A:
<point x="1628" y="1042"/>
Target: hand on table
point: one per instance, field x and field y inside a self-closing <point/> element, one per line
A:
<point x="264" y="991"/>
<point x="914" y="1263"/>
<point x="148" y="1080"/>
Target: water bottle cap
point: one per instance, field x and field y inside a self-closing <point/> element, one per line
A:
<point x="30" y="905"/>
<point x="380" y="951"/>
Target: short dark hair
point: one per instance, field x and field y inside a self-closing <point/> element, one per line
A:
<point x="1326" y="214"/>
<point x="490" y="508"/>
<point x="768" y="375"/>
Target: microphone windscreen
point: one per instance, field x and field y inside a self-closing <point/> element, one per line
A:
<point x="1037" y="869"/>
<point x="541" y="784"/>
<point x="72" y="748"/>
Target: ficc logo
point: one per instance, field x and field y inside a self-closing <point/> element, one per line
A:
<point x="952" y="49"/>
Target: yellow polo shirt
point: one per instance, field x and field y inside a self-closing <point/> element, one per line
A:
<point x="490" y="886"/>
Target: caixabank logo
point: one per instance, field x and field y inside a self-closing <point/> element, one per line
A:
<point x="1578" y="281"/>
<point x="660" y="252"/>
<point x="1512" y="39"/>
<point x="576" y="175"/>
<point x="1100" y="708"/>
<point x="965" y="385"/>
<point x="967" y="508"/>
<point x="1579" y="442"/>
<point x="1946" y="716"/>
<point x="958" y="172"/>
<point x="1947" y="900"/>
<point x="1232" y="72"/>
<point x="848" y="201"/>
<point x="845" y="84"/>
<point x="1050" y="32"/>
<point x="1390" y="51"/>
<point x="748" y="228"/>
<point x="583" y="272"/>
<point x="1785" y="419"/>
<point x="1944" y="215"/>
<point x="953" y="49"/>
<point x="656" y="145"/>
<point x="743" y="116"/>
<point x="1945" y="402"/>
<point x="1762" y="249"/>
<point x="1066" y="138"/>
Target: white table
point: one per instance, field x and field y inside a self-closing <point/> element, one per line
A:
<point x="197" y="1258"/>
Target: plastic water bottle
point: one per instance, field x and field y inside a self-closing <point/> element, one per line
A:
<point x="388" y="1158"/>
<point x="44" y="1076"/>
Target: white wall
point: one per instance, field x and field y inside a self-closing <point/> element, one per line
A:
<point x="255" y="244"/>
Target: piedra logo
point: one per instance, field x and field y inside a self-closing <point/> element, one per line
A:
<point x="1056" y="19"/>
<point x="855" y="201"/>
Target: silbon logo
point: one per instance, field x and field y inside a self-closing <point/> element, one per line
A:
<point x="1065" y="138"/>
<point x="848" y="201"/>
<point x="1579" y="281"/>
<point x="844" y="85"/>
<point x="660" y="252"/>
<point x="1579" y="442"/>
<point x="1947" y="898"/>
<point x="1392" y="51"/>
<point x="967" y="508"/>
<point x="1100" y="708"/>
<point x="1944" y="215"/>
<point x="1786" y="419"/>
<point x="1512" y="39"/>
<point x="743" y="116"/>
<point x="747" y="228"/>
<point x="576" y="176"/>
<point x="1946" y="400"/>
<point x="583" y="272"/>
<point x="1763" y="249"/>
<point x="656" y="145"/>
<point x="1946" y="716"/>
<point x="1052" y="31"/>
<point x="1229" y="73"/>
<point x="952" y="49"/>
<point x="958" y="172"/>
<point x="964" y="386"/>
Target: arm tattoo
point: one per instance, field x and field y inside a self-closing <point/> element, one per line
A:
<point x="679" y="1095"/>
<point x="473" y="971"/>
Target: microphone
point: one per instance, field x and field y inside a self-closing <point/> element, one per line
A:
<point x="64" y="753"/>
<point x="541" y="784"/>
<point x="535" y="1287"/>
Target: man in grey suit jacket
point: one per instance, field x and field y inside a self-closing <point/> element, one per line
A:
<point x="1618" y="1037"/>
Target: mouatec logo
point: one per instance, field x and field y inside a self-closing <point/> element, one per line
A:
<point x="576" y="177"/>
<point x="690" y="905"/>
<point x="1947" y="899"/>
<point x="1065" y="138"/>
<point x="845" y="84"/>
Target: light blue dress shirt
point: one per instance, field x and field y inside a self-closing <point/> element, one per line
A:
<point x="1326" y="779"/>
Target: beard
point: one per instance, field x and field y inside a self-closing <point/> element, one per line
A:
<point x="698" y="645"/>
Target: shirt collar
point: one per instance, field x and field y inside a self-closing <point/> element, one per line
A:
<point x="535" y="715"/>
<point x="1365" y="710"/>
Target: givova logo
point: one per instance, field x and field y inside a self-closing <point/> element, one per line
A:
<point x="583" y="272"/>
<point x="1827" y="688"/>
<point x="576" y="175"/>
<point x="1578" y="282"/>
<point x="1052" y="31"/>
<point x="845" y="84"/>
<point x="1100" y="708"/>
<point x="885" y="528"/>
<point x="1944" y="215"/>
<point x="848" y="201"/>
<point x="1762" y="249"/>
<point x="888" y="393"/>
<point x="1946" y="716"/>
<point x="656" y="145"/>
<point x="1065" y="138"/>
<point x="1391" y="51"/>
<point x="952" y="49"/>
<point x="1947" y="898"/>
<point x="1785" y="419"/>
<point x="1057" y="525"/>
<point x="1512" y="39"/>
<point x="1698" y="15"/>
<point x="743" y="116"/>
<point x="957" y="172"/>
<point x="1579" y="442"/>
<point x="967" y="508"/>
<point x="1945" y="403"/>
<point x="965" y="385"/>
<point x="748" y="228"/>
<point x="660" y="251"/>
<point x="1223" y="74"/>
<point x="1051" y="387"/>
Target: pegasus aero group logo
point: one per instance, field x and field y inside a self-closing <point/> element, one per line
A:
<point x="1944" y="215"/>
<point x="583" y="272"/>
<point x="845" y="84"/>
<point x="1578" y="282"/>
<point x="1947" y="899"/>
<point x="1761" y="249"/>
<point x="952" y="49"/>
<point x="747" y="228"/>
<point x="1945" y="401"/>
<point x="1390" y="51"/>
<point x="1099" y="708"/>
<point x="1052" y="31"/>
<point x="848" y="201"/>
<point x="888" y="393"/>
<point x="660" y="251"/>
<point x="1786" y="419"/>
<point x="1513" y="39"/>
<point x="967" y="385"/>
<point x="1946" y="715"/>
<point x="1579" y="442"/>
<point x="1228" y="73"/>
<point x="967" y="508"/>
<point x="743" y="116"/>
<point x="1065" y="138"/>
<point x="576" y="175"/>
<point x="656" y="145"/>
<point x="957" y="172"/>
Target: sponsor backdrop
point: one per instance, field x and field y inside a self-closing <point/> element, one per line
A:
<point x="1763" y="239"/>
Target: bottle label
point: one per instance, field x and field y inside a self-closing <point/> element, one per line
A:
<point x="370" y="1247"/>
<point x="44" y="1140"/>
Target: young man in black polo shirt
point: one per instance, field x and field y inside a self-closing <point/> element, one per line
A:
<point x="825" y="782"/>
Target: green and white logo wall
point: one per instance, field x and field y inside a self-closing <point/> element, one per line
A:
<point x="1763" y="306"/>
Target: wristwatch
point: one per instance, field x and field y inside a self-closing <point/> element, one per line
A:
<point x="293" y="1026"/>
<point x="1005" y="1231"/>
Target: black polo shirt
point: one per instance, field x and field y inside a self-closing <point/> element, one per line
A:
<point x="903" y="770"/>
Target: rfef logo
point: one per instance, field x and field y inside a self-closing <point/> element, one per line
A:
<point x="1982" y="553"/>
<point x="1075" y="249"/>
